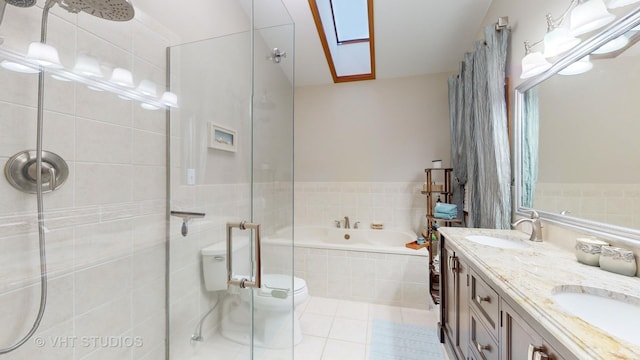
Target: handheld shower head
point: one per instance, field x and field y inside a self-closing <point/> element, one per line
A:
<point x="115" y="10"/>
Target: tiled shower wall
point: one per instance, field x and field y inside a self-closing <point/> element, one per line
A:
<point x="398" y="205"/>
<point x="617" y="204"/>
<point x="106" y="225"/>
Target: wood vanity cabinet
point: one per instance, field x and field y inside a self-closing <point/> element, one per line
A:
<point x="479" y="323"/>
<point x="517" y="336"/>
<point x="454" y="278"/>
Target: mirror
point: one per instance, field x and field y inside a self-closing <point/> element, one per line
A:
<point x="585" y="172"/>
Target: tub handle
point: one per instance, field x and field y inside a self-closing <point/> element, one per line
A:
<point x="244" y="282"/>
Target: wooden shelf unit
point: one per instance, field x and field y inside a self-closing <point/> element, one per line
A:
<point x="443" y="190"/>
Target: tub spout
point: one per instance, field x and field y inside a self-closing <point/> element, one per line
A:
<point x="346" y="223"/>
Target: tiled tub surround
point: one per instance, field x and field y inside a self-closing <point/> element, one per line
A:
<point x="398" y="205"/>
<point x="528" y="277"/>
<point x="617" y="204"/>
<point x="106" y="225"/>
<point x="377" y="274"/>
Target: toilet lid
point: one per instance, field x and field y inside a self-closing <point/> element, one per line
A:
<point x="280" y="282"/>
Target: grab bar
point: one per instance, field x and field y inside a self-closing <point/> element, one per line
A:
<point x="244" y="282"/>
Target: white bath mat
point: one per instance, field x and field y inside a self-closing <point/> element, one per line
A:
<point x="393" y="341"/>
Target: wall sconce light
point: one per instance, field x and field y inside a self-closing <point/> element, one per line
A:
<point x="585" y="16"/>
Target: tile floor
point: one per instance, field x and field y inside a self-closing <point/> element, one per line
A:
<point x="341" y="329"/>
<point x="333" y="330"/>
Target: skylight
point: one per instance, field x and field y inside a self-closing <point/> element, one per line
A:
<point x="351" y="20"/>
<point x="345" y="28"/>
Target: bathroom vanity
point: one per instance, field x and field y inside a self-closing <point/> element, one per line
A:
<point x="497" y="301"/>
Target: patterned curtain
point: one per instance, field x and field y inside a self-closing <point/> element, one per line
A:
<point x="530" y="151"/>
<point x="480" y="139"/>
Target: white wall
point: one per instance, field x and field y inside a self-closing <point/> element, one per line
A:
<point x="385" y="130"/>
<point x="106" y="225"/>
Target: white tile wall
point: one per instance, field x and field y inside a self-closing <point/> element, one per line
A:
<point x="397" y="205"/>
<point x="376" y="278"/>
<point x="106" y="225"/>
<point x="617" y="204"/>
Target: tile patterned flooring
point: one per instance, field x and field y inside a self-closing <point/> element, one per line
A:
<point x="333" y="330"/>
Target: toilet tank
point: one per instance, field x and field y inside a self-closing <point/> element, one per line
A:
<point x="214" y="262"/>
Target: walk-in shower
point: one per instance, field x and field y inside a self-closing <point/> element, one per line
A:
<point x="28" y="170"/>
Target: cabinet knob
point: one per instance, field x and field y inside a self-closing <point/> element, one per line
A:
<point x="480" y="299"/>
<point x="482" y="348"/>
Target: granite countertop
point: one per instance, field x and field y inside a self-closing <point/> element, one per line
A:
<point x="528" y="276"/>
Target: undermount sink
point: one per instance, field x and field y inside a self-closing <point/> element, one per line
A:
<point x="615" y="313"/>
<point x="497" y="242"/>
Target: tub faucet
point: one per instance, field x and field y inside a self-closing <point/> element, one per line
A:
<point x="536" y="226"/>
<point x="337" y="222"/>
<point x="356" y="224"/>
<point x="346" y="223"/>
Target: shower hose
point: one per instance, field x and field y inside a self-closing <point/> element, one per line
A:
<point x="41" y="228"/>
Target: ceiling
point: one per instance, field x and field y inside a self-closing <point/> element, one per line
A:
<point x="412" y="37"/>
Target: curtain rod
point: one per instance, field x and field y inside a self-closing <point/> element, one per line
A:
<point x="502" y="23"/>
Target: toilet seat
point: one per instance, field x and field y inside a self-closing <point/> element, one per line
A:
<point x="276" y="285"/>
<point x="275" y="293"/>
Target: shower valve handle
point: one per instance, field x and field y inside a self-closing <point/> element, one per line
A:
<point x="52" y="178"/>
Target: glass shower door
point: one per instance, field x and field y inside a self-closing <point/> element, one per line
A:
<point x="231" y="162"/>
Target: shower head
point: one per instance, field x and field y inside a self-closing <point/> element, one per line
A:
<point x="18" y="3"/>
<point x="115" y="10"/>
<point x="21" y="3"/>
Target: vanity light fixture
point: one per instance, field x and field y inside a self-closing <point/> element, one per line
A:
<point x="87" y="71"/>
<point x="588" y="16"/>
<point x="169" y="99"/>
<point x="581" y="66"/>
<point x="122" y="77"/>
<point x="17" y="67"/>
<point x="612" y="4"/>
<point x="584" y="16"/>
<point x="613" y="45"/>
<point x="88" y="66"/>
<point x="533" y="63"/>
<point x="44" y="55"/>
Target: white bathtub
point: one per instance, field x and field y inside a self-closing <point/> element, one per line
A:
<point x="363" y="240"/>
<point x="372" y="266"/>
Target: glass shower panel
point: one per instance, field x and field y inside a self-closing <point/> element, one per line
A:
<point x="213" y="79"/>
<point x="231" y="159"/>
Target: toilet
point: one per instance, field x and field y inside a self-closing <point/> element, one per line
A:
<point x="272" y="302"/>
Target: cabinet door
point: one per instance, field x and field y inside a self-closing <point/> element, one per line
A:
<point x="463" y="307"/>
<point x="448" y="295"/>
<point x="517" y="337"/>
<point x="455" y="301"/>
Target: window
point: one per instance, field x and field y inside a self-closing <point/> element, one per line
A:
<point x="345" y="28"/>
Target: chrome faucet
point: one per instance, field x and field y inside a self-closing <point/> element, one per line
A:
<point x="356" y="224"/>
<point x="346" y="223"/>
<point x="536" y="226"/>
<point x="337" y="222"/>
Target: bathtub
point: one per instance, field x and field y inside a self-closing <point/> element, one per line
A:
<point x="365" y="265"/>
<point x="363" y="240"/>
